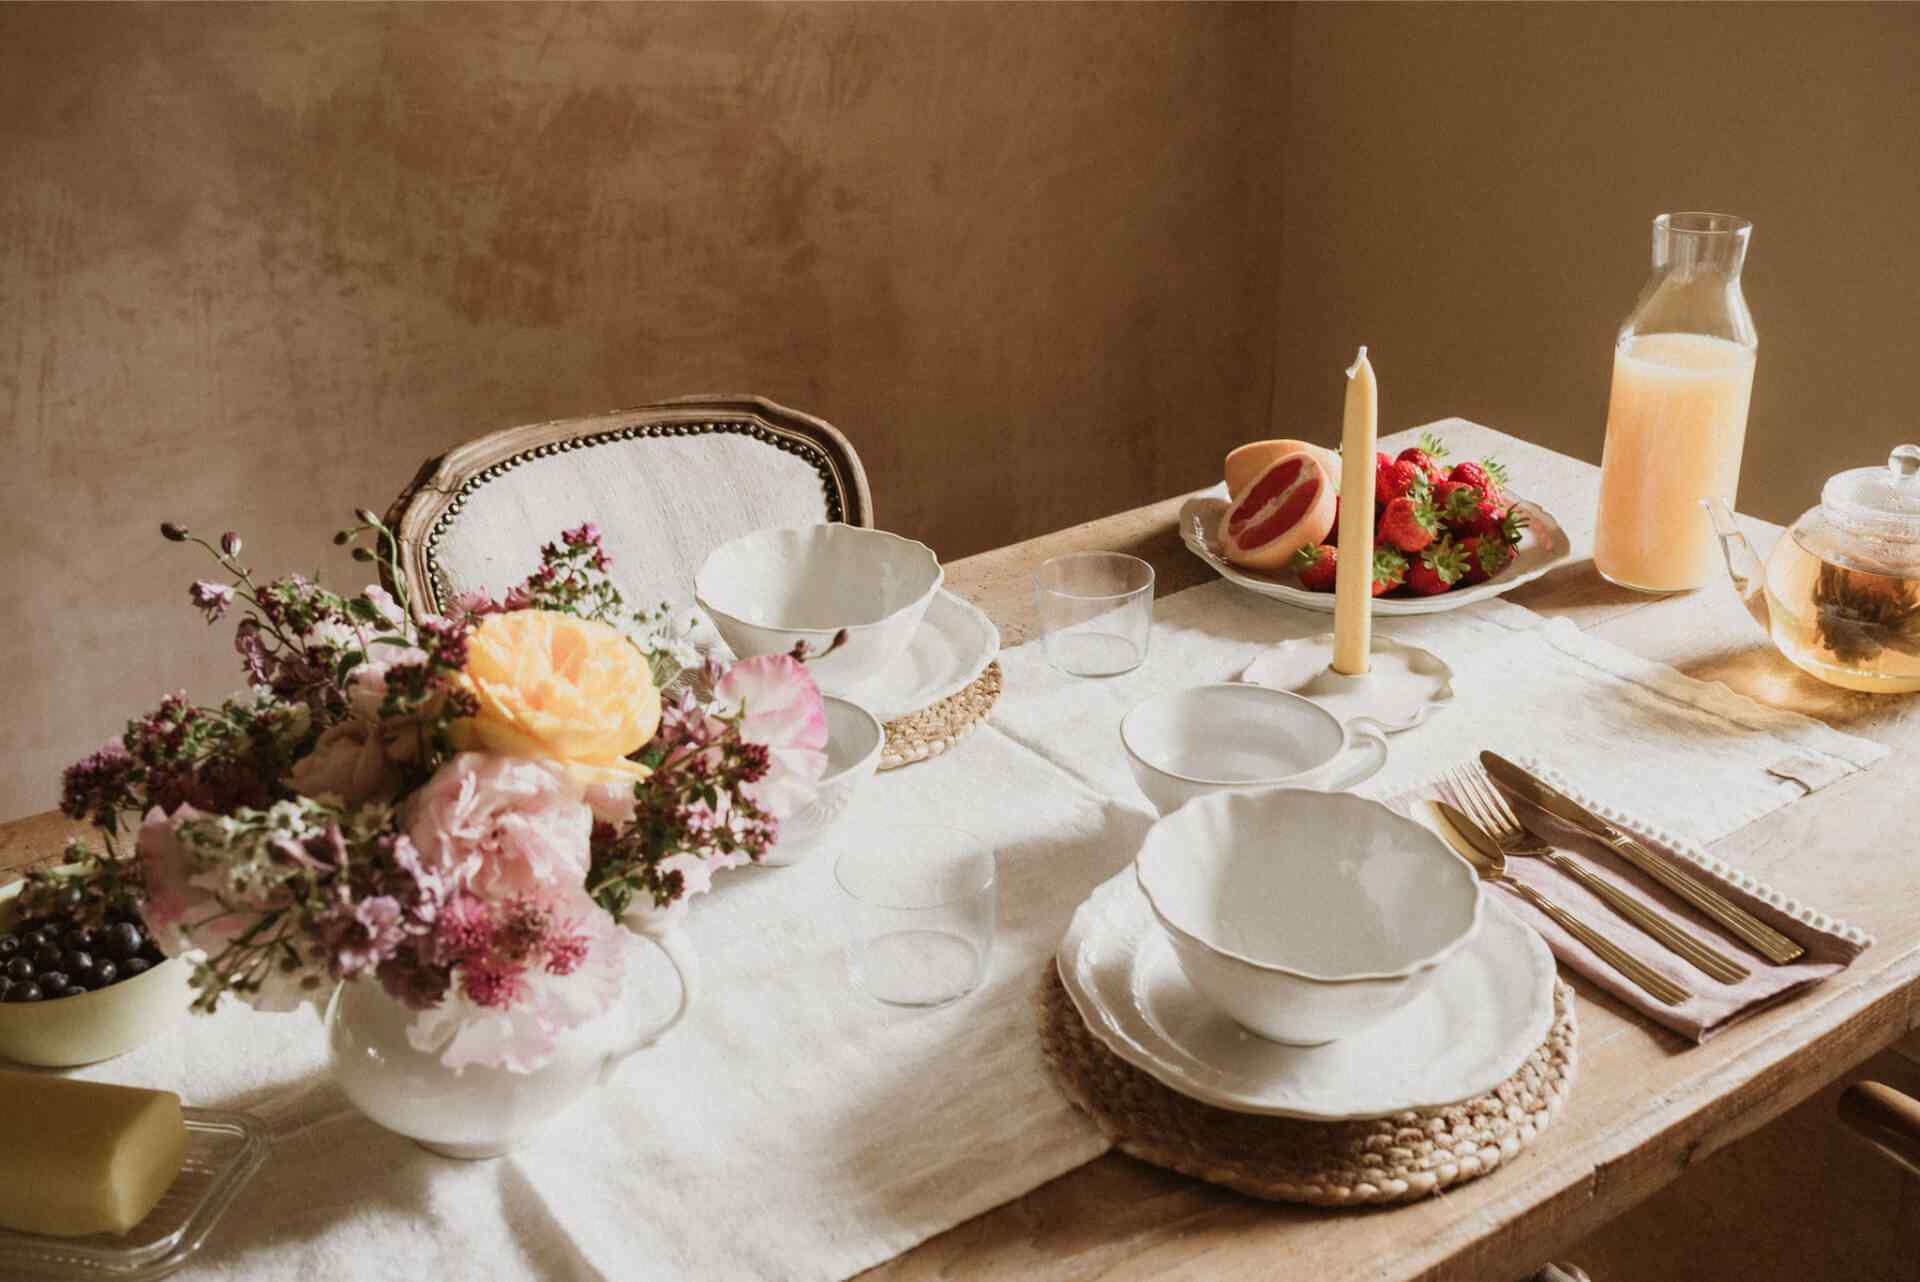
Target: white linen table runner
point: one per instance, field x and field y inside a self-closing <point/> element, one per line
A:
<point x="794" y="1129"/>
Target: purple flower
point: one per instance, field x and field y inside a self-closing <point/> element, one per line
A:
<point x="97" y="787"/>
<point x="210" y="597"/>
<point x="586" y="534"/>
<point x="359" y="936"/>
<point x="230" y="544"/>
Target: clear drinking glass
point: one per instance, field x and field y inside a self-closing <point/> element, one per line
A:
<point x="923" y="906"/>
<point x="1096" y="612"/>
<point x="1677" y="418"/>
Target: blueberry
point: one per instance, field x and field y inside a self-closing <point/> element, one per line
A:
<point x="9" y="945"/>
<point x="41" y="935"/>
<point x="130" y="967"/>
<point x="77" y="962"/>
<point x="47" y="957"/>
<point x="123" y="940"/>
<point x="79" y="939"/>
<point x="54" y="983"/>
<point x="24" y="993"/>
<point x="19" y="968"/>
<point x="103" y="972"/>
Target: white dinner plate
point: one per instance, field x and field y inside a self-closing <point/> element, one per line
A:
<point x="953" y="645"/>
<point x="1486" y="1009"/>
<point x="1543" y="545"/>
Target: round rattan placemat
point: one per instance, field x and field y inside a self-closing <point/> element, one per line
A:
<point x="932" y="730"/>
<point x="1393" y="1159"/>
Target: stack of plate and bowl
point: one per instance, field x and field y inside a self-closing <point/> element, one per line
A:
<point x="1298" y="953"/>
<point x="881" y="636"/>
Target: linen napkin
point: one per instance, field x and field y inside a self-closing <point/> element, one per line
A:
<point x="1831" y="943"/>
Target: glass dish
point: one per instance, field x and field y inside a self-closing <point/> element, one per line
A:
<point x="224" y="1149"/>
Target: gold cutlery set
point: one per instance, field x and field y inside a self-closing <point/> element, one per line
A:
<point x="1491" y="833"/>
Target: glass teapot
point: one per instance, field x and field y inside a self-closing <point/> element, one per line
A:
<point x="1840" y="595"/>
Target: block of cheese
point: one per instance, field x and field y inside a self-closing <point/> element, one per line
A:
<point x="84" y="1157"/>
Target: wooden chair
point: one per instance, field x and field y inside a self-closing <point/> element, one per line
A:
<point x="665" y="483"/>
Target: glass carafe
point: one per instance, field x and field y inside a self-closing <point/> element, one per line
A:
<point x="1677" y="417"/>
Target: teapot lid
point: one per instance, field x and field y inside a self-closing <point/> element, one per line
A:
<point x="1879" y="503"/>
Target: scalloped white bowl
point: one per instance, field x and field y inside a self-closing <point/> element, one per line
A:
<point x="852" y="596"/>
<point x="1306" y="916"/>
<point x="854" y="740"/>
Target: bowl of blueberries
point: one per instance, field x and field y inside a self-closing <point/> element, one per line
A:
<point x="81" y="980"/>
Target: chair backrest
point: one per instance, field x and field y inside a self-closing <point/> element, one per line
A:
<point x="666" y="484"/>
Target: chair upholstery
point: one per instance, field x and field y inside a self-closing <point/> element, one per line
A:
<point x="665" y="483"/>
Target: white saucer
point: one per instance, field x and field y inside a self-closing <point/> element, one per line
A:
<point x="1542" y="546"/>
<point x="952" y="646"/>
<point x="1485" y="1010"/>
<point x="1403" y="686"/>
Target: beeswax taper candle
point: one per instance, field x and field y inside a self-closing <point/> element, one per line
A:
<point x="1353" y="584"/>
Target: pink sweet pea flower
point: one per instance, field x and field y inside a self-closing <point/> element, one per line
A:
<point x="182" y="908"/>
<point x="784" y="714"/>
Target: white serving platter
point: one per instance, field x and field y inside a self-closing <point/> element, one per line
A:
<point x="1543" y="545"/>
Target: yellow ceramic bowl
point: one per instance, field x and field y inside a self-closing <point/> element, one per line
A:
<point x="90" y="1027"/>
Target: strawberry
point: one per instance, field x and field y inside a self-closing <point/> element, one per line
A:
<point x="1389" y="570"/>
<point x="1408" y="524"/>
<point x="1495" y="518"/>
<point x="1485" y="557"/>
<point x="1455" y="501"/>
<point x="1500" y="521"/>
<point x="1317" y="567"/>
<point x="1395" y="479"/>
<point x="1425" y="455"/>
<point x="1437" y="569"/>
<point x="1487" y="476"/>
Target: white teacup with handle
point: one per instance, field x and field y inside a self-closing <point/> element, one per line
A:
<point x="1233" y="737"/>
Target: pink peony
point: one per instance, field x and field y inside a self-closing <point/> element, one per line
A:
<point x="349" y="764"/>
<point x="502" y="826"/>
<point x="784" y="714"/>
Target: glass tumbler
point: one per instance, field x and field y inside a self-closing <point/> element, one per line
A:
<point x="1677" y="416"/>
<point x="923" y="903"/>
<point x="1096" y="612"/>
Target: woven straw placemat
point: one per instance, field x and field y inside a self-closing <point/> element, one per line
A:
<point x="932" y="730"/>
<point x="1393" y="1159"/>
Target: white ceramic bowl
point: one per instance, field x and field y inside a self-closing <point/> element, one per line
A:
<point x="88" y="1027"/>
<point x="853" y="597"/>
<point x="1304" y="915"/>
<point x="1234" y="736"/>
<point x="854" y="740"/>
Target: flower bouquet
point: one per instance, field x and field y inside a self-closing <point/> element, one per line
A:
<point x="460" y="809"/>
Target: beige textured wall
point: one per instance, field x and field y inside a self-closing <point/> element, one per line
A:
<point x="1469" y="190"/>
<point x="256" y="263"/>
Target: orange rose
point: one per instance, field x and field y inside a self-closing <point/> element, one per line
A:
<point x="561" y="689"/>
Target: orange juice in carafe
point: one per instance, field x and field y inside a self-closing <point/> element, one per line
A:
<point x="1676" y="424"/>
<point x="1677" y="417"/>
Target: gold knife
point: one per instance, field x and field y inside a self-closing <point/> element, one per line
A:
<point x="1666" y="870"/>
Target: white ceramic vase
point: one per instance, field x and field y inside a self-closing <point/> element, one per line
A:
<point x="482" y="1112"/>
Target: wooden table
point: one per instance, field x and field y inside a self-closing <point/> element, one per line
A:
<point x="1644" y="1106"/>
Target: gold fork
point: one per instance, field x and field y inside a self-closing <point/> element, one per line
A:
<point x="1474" y="793"/>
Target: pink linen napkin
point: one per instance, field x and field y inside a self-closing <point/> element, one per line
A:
<point x="1831" y="944"/>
